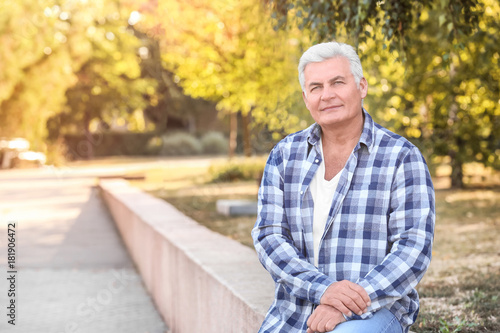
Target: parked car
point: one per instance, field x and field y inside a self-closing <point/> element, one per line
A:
<point x="15" y="153"/>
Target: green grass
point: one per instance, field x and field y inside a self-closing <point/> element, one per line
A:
<point x="191" y="190"/>
<point x="198" y="201"/>
<point x="461" y="290"/>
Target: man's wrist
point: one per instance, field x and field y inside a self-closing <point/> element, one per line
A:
<point x="320" y="290"/>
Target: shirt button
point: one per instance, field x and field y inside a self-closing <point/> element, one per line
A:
<point x="301" y="192"/>
<point x="317" y="161"/>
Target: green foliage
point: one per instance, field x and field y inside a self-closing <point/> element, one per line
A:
<point x="168" y="101"/>
<point x="72" y="56"/>
<point x="180" y="144"/>
<point x="154" y="145"/>
<point x="484" y="295"/>
<point x="432" y="68"/>
<point x="214" y="143"/>
<point x="40" y="52"/>
<point x="432" y="65"/>
<point x="227" y="52"/>
<point x="447" y="101"/>
<point x="110" y="88"/>
<point x="235" y="170"/>
<point x="326" y="20"/>
<point x="456" y="326"/>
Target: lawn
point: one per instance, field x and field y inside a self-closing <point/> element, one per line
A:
<point x="461" y="290"/>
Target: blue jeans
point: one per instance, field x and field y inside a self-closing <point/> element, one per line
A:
<point x="383" y="321"/>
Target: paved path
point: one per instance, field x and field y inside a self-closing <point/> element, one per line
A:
<point x="73" y="271"/>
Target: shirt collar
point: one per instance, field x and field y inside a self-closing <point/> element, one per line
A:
<point x="366" y="136"/>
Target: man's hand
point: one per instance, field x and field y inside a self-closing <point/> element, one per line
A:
<point x="346" y="296"/>
<point x="324" y="319"/>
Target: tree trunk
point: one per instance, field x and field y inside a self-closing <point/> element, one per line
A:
<point x="247" y="145"/>
<point x="456" y="154"/>
<point x="457" y="170"/>
<point x="88" y="136"/>
<point x="233" y="133"/>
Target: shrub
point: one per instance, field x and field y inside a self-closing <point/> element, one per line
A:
<point x="180" y="144"/>
<point x="154" y="145"/>
<point x="247" y="169"/>
<point x="214" y="143"/>
<point x="56" y="153"/>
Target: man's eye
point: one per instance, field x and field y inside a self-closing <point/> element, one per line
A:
<point x="339" y="82"/>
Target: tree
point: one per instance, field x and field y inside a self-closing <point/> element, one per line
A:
<point x="40" y="51"/>
<point x="169" y="108"/>
<point x="325" y="20"/>
<point x="432" y="67"/>
<point x="224" y="51"/>
<point x="109" y="87"/>
<point x="71" y="56"/>
<point x="456" y="86"/>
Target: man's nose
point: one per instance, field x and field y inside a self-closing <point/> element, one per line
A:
<point x="328" y="93"/>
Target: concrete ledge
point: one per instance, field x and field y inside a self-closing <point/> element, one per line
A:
<point x="200" y="280"/>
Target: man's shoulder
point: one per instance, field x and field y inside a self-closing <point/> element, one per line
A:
<point x="295" y="146"/>
<point x="295" y="140"/>
<point x="385" y="137"/>
<point x="391" y="146"/>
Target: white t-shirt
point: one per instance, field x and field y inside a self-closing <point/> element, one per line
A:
<point x="322" y="193"/>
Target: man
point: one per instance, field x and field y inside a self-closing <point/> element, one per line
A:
<point x="346" y="211"/>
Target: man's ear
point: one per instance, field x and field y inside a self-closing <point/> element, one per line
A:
<point x="304" y="97"/>
<point x="363" y="87"/>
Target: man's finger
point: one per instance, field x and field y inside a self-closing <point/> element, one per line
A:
<point x="346" y="296"/>
<point x="339" y="305"/>
<point x="354" y="302"/>
<point x="330" y="325"/>
<point x="344" y="304"/>
<point x="356" y="298"/>
<point x="321" y="326"/>
<point x="313" y="325"/>
<point x="361" y="292"/>
<point x="310" y="320"/>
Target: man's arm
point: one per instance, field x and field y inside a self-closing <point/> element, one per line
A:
<point x="274" y="243"/>
<point x="411" y="232"/>
<point x="278" y="254"/>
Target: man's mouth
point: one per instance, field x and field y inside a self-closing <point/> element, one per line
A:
<point x="331" y="107"/>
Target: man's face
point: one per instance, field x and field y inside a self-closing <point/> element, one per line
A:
<point x="331" y="94"/>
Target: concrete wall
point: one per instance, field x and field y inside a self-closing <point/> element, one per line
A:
<point x="200" y="280"/>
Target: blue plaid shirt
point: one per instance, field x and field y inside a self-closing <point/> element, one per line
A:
<point x="379" y="231"/>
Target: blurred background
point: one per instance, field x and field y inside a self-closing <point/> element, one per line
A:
<point x="92" y="80"/>
<point x="83" y="79"/>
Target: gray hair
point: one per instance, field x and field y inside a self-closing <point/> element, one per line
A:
<point x="324" y="51"/>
